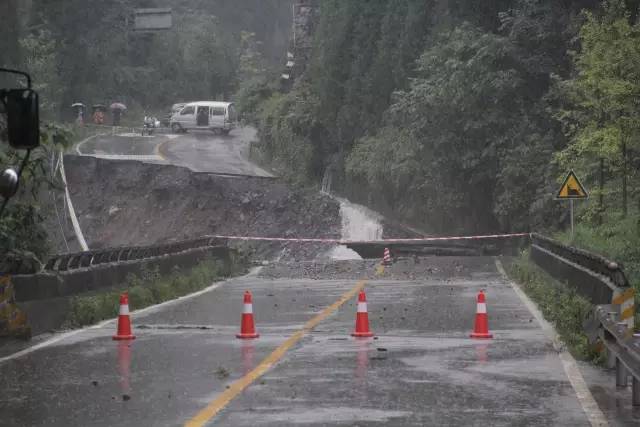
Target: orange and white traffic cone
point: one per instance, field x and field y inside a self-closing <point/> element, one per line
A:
<point x="362" y="318"/>
<point x="481" y="328"/>
<point x="124" y="320"/>
<point x="386" y="259"/>
<point x="247" y="328"/>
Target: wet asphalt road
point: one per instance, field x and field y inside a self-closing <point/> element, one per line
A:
<point x="421" y="369"/>
<point x="200" y="151"/>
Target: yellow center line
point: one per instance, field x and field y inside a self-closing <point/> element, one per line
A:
<point x="223" y="399"/>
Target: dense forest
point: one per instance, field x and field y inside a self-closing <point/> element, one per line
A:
<point x="446" y="114"/>
<point x="80" y="51"/>
<point x="87" y="51"/>
<point x="461" y="117"/>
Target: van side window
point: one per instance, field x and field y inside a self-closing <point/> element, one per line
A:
<point x="187" y="110"/>
<point x="217" y="111"/>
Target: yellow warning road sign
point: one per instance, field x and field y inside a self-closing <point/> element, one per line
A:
<point x="571" y="188"/>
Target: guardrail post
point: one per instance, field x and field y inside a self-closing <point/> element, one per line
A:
<point x="611" y="357"/>
<point x="635" y="396"/>
<point x="621" y="374"/>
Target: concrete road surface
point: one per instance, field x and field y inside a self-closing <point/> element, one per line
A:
<point x="201" y="151"/>
<point x="421" y="368"/>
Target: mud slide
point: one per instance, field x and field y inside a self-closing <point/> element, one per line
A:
<point x="121" y="202"/>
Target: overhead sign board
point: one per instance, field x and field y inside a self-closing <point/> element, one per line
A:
<point x="153" y="19"/>
<point x="572" y="188"/>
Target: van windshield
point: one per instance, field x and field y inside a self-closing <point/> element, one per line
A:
<point x="187" y="110"/>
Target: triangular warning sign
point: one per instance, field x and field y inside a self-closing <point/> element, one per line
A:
<point x="571" y="188"/>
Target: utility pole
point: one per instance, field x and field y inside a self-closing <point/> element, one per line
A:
<point x="601" y="192"/>
<point x="624" y="174"/>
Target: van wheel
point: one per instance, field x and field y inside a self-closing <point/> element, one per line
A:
<point x="176" y="128"/>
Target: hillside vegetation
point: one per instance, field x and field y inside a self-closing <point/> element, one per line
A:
<point x="80" y="51"/>
<point x="87" y="51"/>
<point x="462" y="118"/>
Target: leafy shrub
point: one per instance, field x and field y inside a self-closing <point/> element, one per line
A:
<point x="146" y="289"/>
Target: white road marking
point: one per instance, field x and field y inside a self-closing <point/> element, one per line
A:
<point x="79" y="144"/>
<point x="139" y="157"/>
<point x="588" y="403"/>
<point x="135" y="313"/>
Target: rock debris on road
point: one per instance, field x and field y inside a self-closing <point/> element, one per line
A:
<point x="421" y="368"/>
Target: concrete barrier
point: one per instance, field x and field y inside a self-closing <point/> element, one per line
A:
<point x="595" y="288"/>
<point x="488" y="246"/>
<point x="45" y="297"/>
<point x="599" y="280"/>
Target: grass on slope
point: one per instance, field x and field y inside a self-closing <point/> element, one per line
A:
<point x="617" y="239"/>
<point x="147" y="289"/>
<point x="562" y="307"/>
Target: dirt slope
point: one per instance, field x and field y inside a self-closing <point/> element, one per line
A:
<point x="132" y="203"/>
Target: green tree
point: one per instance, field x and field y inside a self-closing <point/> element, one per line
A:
<point x="21" y="224"/>
<point x="600" y="115"/>
<point x="40" y="60"/>
<point x="450" y="142"/>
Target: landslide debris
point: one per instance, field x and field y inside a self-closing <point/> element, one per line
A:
<point x="404" y="268"/>
<point x="120" y="203"/>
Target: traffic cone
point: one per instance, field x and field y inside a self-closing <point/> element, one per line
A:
<point x="124" y="320"/>
<point x="362" y="318"/>
<point x="386" y="259"/>
<point x="248" y="328"/>
<point x="481" y="328"/>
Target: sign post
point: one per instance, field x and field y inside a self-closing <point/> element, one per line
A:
<point x="571" y="189"/>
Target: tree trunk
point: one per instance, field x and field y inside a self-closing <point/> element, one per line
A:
<point x="624" y="178"/>
<point x="601" y="194"/>
<point x="9" y="30"/>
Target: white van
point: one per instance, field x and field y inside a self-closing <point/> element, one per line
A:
<point x="219" y="117"/>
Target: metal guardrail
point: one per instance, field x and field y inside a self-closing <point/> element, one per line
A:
<point x="113" y="130"/>
<point x="612" y="325"/>
<point x="72" y="261"/>
<point x="593" y="262"/>
<point x="623" y="347"/>
<point x="598" y="279"/>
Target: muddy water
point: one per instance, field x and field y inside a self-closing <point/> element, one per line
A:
<point x="358" y="223"/>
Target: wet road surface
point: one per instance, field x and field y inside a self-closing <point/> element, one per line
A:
<point x="200" y="151"/>
<point x="203" y="152"/>
<point x="420" y="369"/>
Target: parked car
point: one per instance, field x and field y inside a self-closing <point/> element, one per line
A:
<point x="166" y="120"/>
<point x="220" y="117"/>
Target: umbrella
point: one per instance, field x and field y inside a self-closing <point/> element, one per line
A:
<point x="99" y="107"/>
<point x="118" y="106"/>
<point x="77" y="105"/>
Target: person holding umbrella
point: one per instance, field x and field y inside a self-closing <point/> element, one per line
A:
<point x="79" y="109"/>
<point x="117" y="108"/>
<point x="98" y="114"/>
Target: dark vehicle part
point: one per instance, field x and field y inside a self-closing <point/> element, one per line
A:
<point x="8" y="183"/>
<point x="23" y="130"/>
<point x="21" y="107"/>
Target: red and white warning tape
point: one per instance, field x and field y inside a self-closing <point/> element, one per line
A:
<point x="344" y="242"/>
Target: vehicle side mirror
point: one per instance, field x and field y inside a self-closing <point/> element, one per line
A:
<point x="23" y="120"/>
